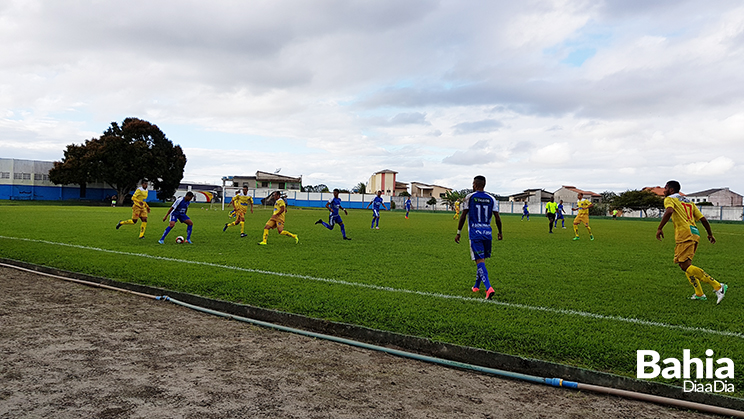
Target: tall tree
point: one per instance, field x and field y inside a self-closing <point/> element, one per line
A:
<point x="638" y="201"/>
<point x="123" y="156"/>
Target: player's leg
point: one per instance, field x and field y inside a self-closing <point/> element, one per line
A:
<point x="167" y="230"/>
<point x="283" y="232"/>
<point x="589" y="229"/>
<point x="269" y="225"/>
<point x="576" y="229"/>
<point x="190" y="226"/>
<point x="343" y="229"/>
<point x="143" y="227"/>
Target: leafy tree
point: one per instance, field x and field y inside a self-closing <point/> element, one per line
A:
<point x="122" y="157"/>
<point x="361" y="188"/>
<point x="404" y="193"/>
<point x="638" y="201"/>
<point x="451" y="196"/>
<point x="432" y="201"/>
<point x="318" y="188"/>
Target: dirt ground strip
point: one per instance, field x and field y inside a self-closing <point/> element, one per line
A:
<point x="70" y="351"/>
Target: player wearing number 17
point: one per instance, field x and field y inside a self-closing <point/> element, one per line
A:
<point x="683" y="214"/>
<point x="478" y="207"/>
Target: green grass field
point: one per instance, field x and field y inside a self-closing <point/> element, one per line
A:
<point x="584" y="303"/>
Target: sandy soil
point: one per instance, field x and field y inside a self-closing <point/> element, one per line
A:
<point x="71" y="351"/>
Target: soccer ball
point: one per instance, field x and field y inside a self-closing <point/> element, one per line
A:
<point x="180" y="239"/>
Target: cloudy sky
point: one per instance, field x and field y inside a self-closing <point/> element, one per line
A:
<point x="602" y="95"/>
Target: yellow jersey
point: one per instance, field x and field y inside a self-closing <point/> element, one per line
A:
<point x="278" y="208"/>
<point x="139" y="197"/>
<point x="457" y="206"/>
<point x="684" y="216"/>
<point x="551" y="207"/>
<point x="243" y="201"/>
<point x="583" y="207"/>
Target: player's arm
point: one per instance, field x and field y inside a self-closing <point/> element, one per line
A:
<point x="461" y="223"/>
<point x="281" y="211"/>
<point x="328" y="206"/>
<point x="251" y="201"/>
<point x="345" y="212"/>
<point x="665" y="219"/>
<point x="370" y="203"/>
<point x="706" y="224"/>
<point x="497" y="220"/>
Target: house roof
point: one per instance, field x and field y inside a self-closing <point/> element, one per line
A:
<point x="428" y="186"/>
<point x="273" y="176"/>
<point x="577" y="190"/>
<point x="386" y="171"/>
<point x="709" y="192"/>
<point x="658" y="190"/>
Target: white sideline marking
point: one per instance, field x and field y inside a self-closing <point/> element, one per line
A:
<point x="422" y="293"/>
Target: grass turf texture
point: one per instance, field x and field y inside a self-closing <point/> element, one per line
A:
<point x="410" y="277"/>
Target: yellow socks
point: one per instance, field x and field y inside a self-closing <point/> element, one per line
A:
<point x="287" y="233"/>
<point x="589" y="229"/>
<point x="695" y="275"/>
<point x="143" y="227"/>
<point x="266" y="235"/>
<point x="576" y="230"/>
<point x="126" y="222"/>
<point x="242" y="227"/>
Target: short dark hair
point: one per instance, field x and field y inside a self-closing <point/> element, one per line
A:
<point x="480" y="180"/>
<point x="674" y="185"/>
<point x="189" y="193"/>
<point x="336" y="190"/>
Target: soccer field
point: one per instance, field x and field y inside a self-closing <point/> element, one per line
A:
<point x="591" y="304"/>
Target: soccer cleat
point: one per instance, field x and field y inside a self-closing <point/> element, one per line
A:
<point x="346" y="238"/>
<point x="243" y="235"/>
<point x="564" y="228"/>
<point x="476" y="289"/>
<point x="118" y="224"/>
<point x="141" y="237"/>
<point x="699" y="297"/>
<point x="189" y="242"/>
<point x="591" y="237"/>
<point x="721" y="293"/>
<point x="490" y="293"/>
<point x="576" y="238"/>
<point x="377" y="228"/>
<point x="224" y="228"/>
<point x="297" y="239"/>
<point x="161" y="241"/>
<point x="319" y="222"/>
<point x="262" y="243"/>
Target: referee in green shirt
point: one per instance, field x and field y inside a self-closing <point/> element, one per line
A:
<point x="550" y="208"/>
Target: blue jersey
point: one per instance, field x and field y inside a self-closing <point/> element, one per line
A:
<point x="560" y="211"/>
<point x="408" y="204"/>
<point x="180" y="206"/>
<point x="480" y="206"/>
<point x="335" y="205"/>
<point x="525" y="208"/>
<point x="376" y="203"/>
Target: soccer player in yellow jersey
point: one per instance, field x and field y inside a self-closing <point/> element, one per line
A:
<point x="457" y="210"/>
<point x="683" y="214"/>
<point x="277" y="220"/>
<point x="140" y="209"/>
<point x="240" y="202"/>
<point x="582" y="206"/>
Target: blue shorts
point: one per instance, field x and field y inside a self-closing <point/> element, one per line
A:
<point x="559" y="216"/>
<point x="334" y="219"/>
<point x="375" y="212"/>
<point x="179" y="217"/>
<point x="480" y="248"/>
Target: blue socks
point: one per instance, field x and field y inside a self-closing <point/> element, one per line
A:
<point x="328" y="226"/>
<point x="188" y="232"/>
<point x="482" y="275"/>
<point x="167" y="230"/>
<point x="343" y="230"/>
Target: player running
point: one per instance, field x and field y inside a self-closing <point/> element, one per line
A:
<point x="478" y="207"/>
<point x="277" y="220"/>
<point x="408" y="206"/>
<point x="457" y="210"/>
<point x="240" y="203"/>
<point x="559" y="215"/>
<point x="376" y="210"/>
<point x="525" y="212"/>
<point x="140" y="209"/>
<point x="333" y="205"/>
<point x="177" y="212"/>
<point x="683" y="214"/>
<point x="582" y="206"/>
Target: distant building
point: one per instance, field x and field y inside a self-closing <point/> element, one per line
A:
<point x="385" y="181"/>
<point x="658" y="190"/>
<point x="571" y="194"/>
<point x="719" y="197"/>
<point x="424" y="190"/>
<point x="532" y="195"/>
<point x="29" y="180"/>
<point x="264" y="181"/>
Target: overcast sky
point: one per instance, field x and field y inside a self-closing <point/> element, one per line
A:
<point x="611" y="95"/>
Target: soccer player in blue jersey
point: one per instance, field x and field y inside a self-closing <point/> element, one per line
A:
<point x="478" y="207"/>
<point x="408" y="206"/>
<point x="333" y="205"/>
<point x="559" y="215"/>
<point x="376" y="210"/>
<point x="177" y="212"/>
<point x="525" y="212"/>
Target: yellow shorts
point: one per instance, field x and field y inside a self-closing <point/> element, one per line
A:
<point x="582" y="218"/>
<point x="273" y="223"/>
<point x="685" y="251"/>
<point x="139" y="213"/>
